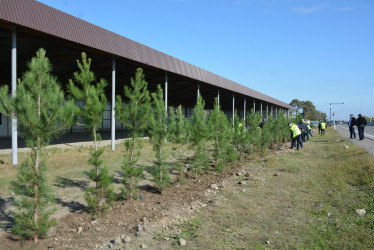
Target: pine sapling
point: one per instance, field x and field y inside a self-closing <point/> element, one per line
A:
<point x="239" y="134"/>
<point x="281" y="128"/>
<point x="221" y="135"/>
<point x="42" y="114"/>
<point x="158" y="132"/>
<point x="92" y="94"/>
<point x="266" y="134"/>
<point x="199" y="136"/>
<point x="179" y="134"/>
<point x="254" y="132"/>
<point x="135" y="116"/>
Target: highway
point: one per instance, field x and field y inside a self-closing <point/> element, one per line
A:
<point x="368" y="132"/>
<point x="367" y="143"/>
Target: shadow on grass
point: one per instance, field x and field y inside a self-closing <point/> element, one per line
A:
<point x="149" y="188"/>
<point x="118" y="177"/>
<point x="63" y="182"/>
<point x="72" y="205"/>
<point x="6" y="221"/>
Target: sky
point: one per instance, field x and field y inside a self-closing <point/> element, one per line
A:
<point x="321" y="51"/>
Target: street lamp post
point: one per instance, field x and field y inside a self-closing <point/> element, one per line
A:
<point x="331" y="103"/>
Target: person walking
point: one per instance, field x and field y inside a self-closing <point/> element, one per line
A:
<point x="360" y="123"/>
<point x="319" y="128"/>
<point x="351" y="125"/>
<point x="309" y="129"/>
<point x="304" y="130"/>
<point x="323" y="127"/>
<point x="295" y="135"/>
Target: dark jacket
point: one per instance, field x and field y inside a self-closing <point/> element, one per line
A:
<point x="303" y="127"/>
<point x="361" y="121"/>
<point x="353" y="122"/>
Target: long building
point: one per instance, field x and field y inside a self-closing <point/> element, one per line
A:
<point x="27" y="25"/>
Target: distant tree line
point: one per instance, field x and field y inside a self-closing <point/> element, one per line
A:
<point x="307" y="110"/>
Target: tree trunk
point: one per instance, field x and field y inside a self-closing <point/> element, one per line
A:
<point x="131" y="189"/>
<point x="98" y="191"/>
<point x="132" y="151"/>
<point x="36" y="187"/>
<point x="180" y="158"/>
<point x="161" y="165"/>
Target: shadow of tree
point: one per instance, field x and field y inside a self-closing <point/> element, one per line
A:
<point x="63" y="182"/>
<point x="118" y="177"/>
<point x="149" y="189"/>
<point x="72" y="205"/>
<point x="6" y="221"/>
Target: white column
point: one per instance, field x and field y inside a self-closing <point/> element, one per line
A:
<point x="261" y="109"/>
<point x="271" y="111"/>
<point x="166" y="100"/>
<point x="267" y="111"/>
<point x="14" y="86"/>
<point x="233" y="108"/>
<point x="166" y="93"/>
<point x="276" y="112"/>
<point x="198" y="90"/>
<point x="113" y="119"/>
<point x="218" y="97"/>
<point x="254" y="105"/>
<point x="245" y="107"/>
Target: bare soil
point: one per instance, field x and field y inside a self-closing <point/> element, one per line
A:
<point x="154" y="212"/>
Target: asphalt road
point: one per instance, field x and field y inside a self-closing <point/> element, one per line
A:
<point x="367" y="143"/>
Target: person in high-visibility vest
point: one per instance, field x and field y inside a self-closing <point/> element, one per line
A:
<point x="241" y="128"/>
<point x="295" y="135"/>
<point x="309" y="129"/>
<point x="323" y="127"/>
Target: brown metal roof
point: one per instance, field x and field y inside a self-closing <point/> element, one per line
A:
<point x="43" y="18"/>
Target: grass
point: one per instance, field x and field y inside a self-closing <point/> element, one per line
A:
<point x="310" y="203"/>
<point x="294" y="199"/>
<point x="185" y="230"/>
<point x="71" y="163"/>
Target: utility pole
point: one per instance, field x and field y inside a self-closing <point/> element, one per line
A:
<point x="331" y="103"/>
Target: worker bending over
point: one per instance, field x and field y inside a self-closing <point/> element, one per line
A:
<point x="295" y="135"/>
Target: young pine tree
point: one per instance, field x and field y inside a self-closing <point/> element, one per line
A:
<point x="220" y="129"/>
<point x="199" y="136"/>
<point x="42" y="114"/>
<point x="254" y="132"/>
<point x="239" y="134"/>
<point x="93" y="96"/>
<point x="158" y="133"/>
<point x="178" y="127"/>
<point x="281" y="128"/>
<point x="135" y="116"/>
<point x="266" y="134"/>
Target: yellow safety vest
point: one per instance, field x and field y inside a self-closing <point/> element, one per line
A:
<point x="295" y="130"/>
<point x="308" y="125"/>
<point x="240" y="128"/>
<point x="323" y="125"/>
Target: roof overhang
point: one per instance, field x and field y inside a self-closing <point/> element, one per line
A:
<point x="42" y="18"/>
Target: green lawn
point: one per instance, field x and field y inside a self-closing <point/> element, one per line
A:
<point x="295" y="200"/>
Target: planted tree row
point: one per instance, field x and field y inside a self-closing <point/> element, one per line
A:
<point x="44" y="111"/>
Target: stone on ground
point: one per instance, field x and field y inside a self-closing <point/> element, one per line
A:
<point x="361" y="212"/>
<point x="182" y="242"/>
